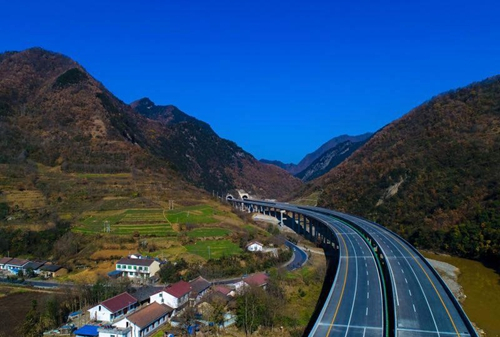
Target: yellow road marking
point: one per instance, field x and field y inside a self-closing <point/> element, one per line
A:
<point x="432" y="283"/>
<point x="343" y="286"/>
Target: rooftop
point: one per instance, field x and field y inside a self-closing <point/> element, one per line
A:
<point x="222" y="289"/>
<point x="178" y="289"/>
<point x="119" y="302"/>
<point x="33" y="265"/>
<point x="258" y="279"/>
<point x="254" y="243"/>
<point x="50" y="267"/>
<point x="199" y="284"/>
<point x="17" y="262"/>
<point x="87" y="330"/>
<point x="136" y="262"/>
<point x="4" y="260"/>
<point x="149" y="314"/>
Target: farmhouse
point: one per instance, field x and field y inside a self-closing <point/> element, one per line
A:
<point x="113" y="308"/>
<point x="141" y="267"/>
<point x="15" y="265"/>
<point x="4" y="261"/>
<point x="146" y="320"/>
<point x="52" y="270"/>
<point x="175" y="295"/>
<point x="254" y="246"/>
<point x="199" y="287"/>
<point x="259" y="280"/>
<point x="33" y="266"/>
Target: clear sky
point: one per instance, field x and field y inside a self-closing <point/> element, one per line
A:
<point x="277" y="77"/>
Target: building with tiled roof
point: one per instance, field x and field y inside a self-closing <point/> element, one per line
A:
<point x="140" y="267"/>
<point x="115" y="307"/>
<point x="254" y="246"/>
<point x="226" y="291"/>
<point x="3" y="261"/>
<point x="174" y="295"/>
<point x="199" y="287"/>
<point x="146" y="320"/>
<point x="259" y="279"/>
<point x="15" y="265"/>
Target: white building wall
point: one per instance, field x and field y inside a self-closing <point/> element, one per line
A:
<point x="100" y="315"/>
<point x="165" y="298"/>
<point x="255" y="247"/>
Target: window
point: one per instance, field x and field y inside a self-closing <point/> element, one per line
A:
<point x="99" y="308"/>
<point x="129" y="267"/>
<point x="135" y="267"/>
<point x="140" y="268"/>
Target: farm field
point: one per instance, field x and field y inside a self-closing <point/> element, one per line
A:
<point x="213" y="248"/>
<point x="208" y="232"/>
<point x="155" y="222"/>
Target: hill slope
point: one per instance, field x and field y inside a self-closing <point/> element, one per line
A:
<point x="209" y="161"/>
<point x="329" y="160"/>
<point x="432" y="175"/>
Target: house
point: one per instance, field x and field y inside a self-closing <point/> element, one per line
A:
<point x="175" y="295"/>
<point x="142" y="268"/>
<point x="15" y="265"/>
<point x="259" y="280"/>
<point x="254" y="246"/>
<point x="52" y="270"/>
<point x="34" y="266"/>
<point x="114" y="307"/>
<point x="228" y="292"/>
<point x="199" y="287"/>
<point x="3" y="261"/>
<point x="87" y="331"/>
<point x="146" y="320"/>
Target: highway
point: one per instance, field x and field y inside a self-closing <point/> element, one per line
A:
<point x="421" y="305"/>
<point x="299" y="256"/>
<point x="355" y="304"/>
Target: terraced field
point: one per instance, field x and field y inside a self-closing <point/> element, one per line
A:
<point x="208" y="232"/>
<point x="213" y="248"/>
<point x="150" y="221"/>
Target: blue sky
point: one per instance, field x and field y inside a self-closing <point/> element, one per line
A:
<point x="278" y="78"/>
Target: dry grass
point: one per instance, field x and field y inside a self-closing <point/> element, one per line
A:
<point x="108" y="254"/>
<point x="26" y="199"/>
<point x="91" y="275"/>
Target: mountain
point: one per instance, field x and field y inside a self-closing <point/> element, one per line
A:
<point x="287" y="167"/>
<point x="53" y="112"/>
<point x="207" y="160"/>
<point x="329" y="160"/>
<point x="432" y="176"/>
<point x="295" y="169"/>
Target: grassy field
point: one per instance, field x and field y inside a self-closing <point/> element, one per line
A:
<point x="208" y="232"/>
<point x="150" y="221"/>
<point x="213" y="248"/>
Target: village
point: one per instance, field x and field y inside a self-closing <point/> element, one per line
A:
<point x="187" y="305"/>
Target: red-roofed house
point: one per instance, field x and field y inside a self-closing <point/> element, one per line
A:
<point x="175" y="295"/>
<point x="259" y="279"/>
<point x="114" y="307"/>
<point x="3" y="262"/>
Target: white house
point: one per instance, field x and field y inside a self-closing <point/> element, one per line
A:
<point x="3" y="262"/>
<point x="175" y="295"/>
<point x="146" y="320"/>
<point x="15" y="265"/>
<point x="113" y="308"/>
<point x="254" y="246"/>
<point x="258" y="279"/>
<point x="143" y="268"/>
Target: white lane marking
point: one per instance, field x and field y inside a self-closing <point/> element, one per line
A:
<point x="409" y="291"/>
<point x="402" y="271"/>
<point x="364" y="332"/>
<point x="366" y="265"/>
<point x="432" y="332"/>
<point x="406" y="280"/>
<point x="367" y="272"/>
<point x="399" y="263"/>
<point x="414" y="308"/>
<point x="368" y="295"/>
<point x="366" y="313"/>
<point x="368" y="282"/>
<point x="353" y="326"/>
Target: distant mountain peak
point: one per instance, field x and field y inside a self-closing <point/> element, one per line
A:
<point x="145" y="102"/>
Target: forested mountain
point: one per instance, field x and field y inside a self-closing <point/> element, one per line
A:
<point x="54" y="113"/>
<point x="329" y="160"/>
<point x="298" y="169"/>
<point x="432" y="176"/>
